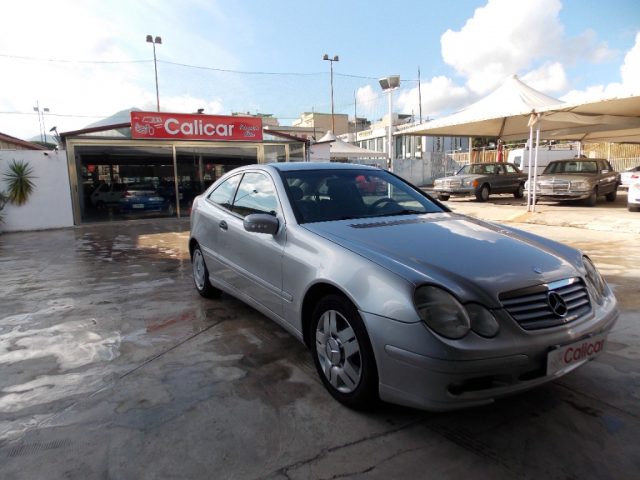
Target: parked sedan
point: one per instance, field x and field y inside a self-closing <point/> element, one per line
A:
<point x="139" y="197"/>
<point x="629" y="175"/>
<point x="481" y="180"/>
<point x="633" y="197"/>
<point x="578" y="179"/>
<point x="397" y="297"/>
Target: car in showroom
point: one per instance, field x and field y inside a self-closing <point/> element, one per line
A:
<point x="482" y="180"/>
<point x="397" y="298"/>
<point x="633" y="196"/>
<point x="577" y="179"/>
<point x="628" y="175"/>
<point x="143" y="197"/>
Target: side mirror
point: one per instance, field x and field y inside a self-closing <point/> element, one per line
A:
<point x="261" y="223"/>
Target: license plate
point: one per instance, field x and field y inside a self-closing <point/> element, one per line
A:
<point x="138" y="205"/>
<point x="568" y="357"/>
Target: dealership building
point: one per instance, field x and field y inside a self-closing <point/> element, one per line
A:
<point x="158" y="162"/>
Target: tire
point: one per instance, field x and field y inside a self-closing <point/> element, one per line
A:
<point x="201" y="275"/>
<point x="632" y="208"/>
<point x="593" y="199"/>
<point x="611" y="196"/>
<point x="442" y="196"/>
<point x="519" y="193"/>
<point x="482" y="195"/>
<point x="342" y="353"/>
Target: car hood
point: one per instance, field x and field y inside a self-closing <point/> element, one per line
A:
<point x="474" y="259"/>
<point x="470" y="176"/>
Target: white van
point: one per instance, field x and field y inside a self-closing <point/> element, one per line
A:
<point x="520" y="158"/>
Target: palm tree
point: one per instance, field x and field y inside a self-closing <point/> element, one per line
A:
<point x="20" y="185"/>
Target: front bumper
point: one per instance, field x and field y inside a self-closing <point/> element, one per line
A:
<point x="455" y="190"/>
<point x="472" y="371"/>
<point x="561" y="196"/>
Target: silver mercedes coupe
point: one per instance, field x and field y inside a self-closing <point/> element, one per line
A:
<point x="398" y="298"/>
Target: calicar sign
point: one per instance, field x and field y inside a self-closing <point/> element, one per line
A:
<point x="158" y="125"/>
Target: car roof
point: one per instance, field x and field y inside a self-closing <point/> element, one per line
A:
<point x="295" y="166"/>
<point x="565" y="160"/>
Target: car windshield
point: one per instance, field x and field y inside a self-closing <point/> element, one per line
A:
<point x="572" y="167"/>
<point x="477" y="169"/>
<point x="325" y="195"/>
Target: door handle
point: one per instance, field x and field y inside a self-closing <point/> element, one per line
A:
<point x="223" y="225"/>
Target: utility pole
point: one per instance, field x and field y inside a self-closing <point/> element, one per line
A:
<point x="419" y="95"/>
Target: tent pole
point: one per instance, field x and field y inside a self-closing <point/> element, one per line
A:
<point x="535" y="163"/>
<point x="529" y="174"/>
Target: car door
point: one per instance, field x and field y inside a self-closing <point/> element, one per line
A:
<point x="216" y="210"/>
<point x="608" y="181"/>
<point x="499" y="181"/>
<point x="513" y="176"/>
<point x="254" y="260"/>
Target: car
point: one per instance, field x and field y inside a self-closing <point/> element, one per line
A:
<point x="481" y="180"/>
<point x="107" y="195"/>
<point x="633" y="196"/>
<point x="577" y="179"/>
<point x="627" y="175"/>
<point x="143" y="197"/>
<point x="398" y="298"/>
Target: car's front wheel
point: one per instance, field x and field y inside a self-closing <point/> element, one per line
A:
<point x="519" y="193"/>
<point x="592" y="199"/>
<point x="482" y="195"/>
<point x="443" y="196"/>
<point x="342" y="353"/>
<point x="201" y="275"/>
<point x="611" y="196"/>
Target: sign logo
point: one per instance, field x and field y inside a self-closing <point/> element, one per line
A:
<point x="161" y="125"/>
<point x="557" y="304"/>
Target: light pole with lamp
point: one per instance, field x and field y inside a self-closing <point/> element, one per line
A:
<point x="41" y="112"/>
<point x="334" y="59"/>
<point x="154" y="41"/>
<point x="389" y="84"/>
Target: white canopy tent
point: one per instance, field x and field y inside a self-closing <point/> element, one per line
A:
<point x="339" y="149"/>
<point x="514" y="110"/>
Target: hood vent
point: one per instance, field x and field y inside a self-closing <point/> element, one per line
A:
<point x="392" y="223"/>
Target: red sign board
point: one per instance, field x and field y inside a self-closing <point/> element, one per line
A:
<point x="185" y="126"/>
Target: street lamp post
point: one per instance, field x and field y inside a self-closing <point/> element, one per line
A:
<point x="331" y="60"/>
<point x="41" y="112"/>
<point x="154" y="41"/>
<point x="389" y="84"/>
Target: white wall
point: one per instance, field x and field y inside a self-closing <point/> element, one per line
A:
<point x="50" y="203"/>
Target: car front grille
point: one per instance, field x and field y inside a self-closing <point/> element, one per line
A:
<point x="547" y="305"/>
<point x="555" y="186"/>
<point x="451" y="183"/>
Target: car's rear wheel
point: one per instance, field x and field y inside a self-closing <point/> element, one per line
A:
<point x="519" y="193"/>
<point x="633" y="208"/>
<point x="593" y="199"/>
<point x="201" y="275"/>
<point x="443" y="196"/>
<point x="611" y="196"/>
<point x="482" y="195"/>
<point x="342" y="353"/>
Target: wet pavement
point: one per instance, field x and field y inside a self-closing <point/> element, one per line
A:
<point x="112" y="366"/>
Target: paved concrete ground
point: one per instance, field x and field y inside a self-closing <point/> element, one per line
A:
<point x="113" y="367"/>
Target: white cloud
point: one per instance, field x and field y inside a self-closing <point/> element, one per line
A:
<point x="439" y="95"/>
<point x="550" y="77"/>
<point x="506" y="37"/>
<point x="369" y="100"/>
<point x="628" y="85"/>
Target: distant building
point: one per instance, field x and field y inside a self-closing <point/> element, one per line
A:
<point x="320" y="123"/>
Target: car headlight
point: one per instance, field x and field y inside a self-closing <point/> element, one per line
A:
<point x="466" y="183"/>
<point x="595" y="282"/>
<point x="482" y="320"/>
<point x="442" y="312"/>
<point x="579" y="185"/>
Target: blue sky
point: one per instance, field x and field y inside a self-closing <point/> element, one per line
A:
<point x="569" y="49"/>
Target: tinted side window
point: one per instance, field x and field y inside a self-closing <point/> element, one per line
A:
<point x="255" y="195"/>
<point x="223" y="194"/>
<point x="510" y="169"/>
